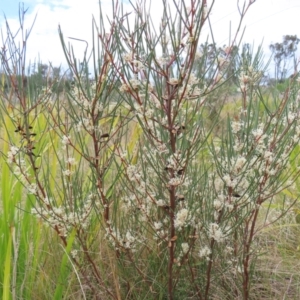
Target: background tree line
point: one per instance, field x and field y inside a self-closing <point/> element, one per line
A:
<point x="284" y="56"/>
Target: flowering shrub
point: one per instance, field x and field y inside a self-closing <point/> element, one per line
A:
<point x="137" y="167"/>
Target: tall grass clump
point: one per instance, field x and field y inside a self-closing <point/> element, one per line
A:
<point x="20" y="241"/>
<point x="151" y="196"/>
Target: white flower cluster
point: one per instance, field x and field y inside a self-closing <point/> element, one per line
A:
<point x="163" y="60"/>
<point x="70" y="163"/>
<point x="160" y="147"/>
<point x="248" y="177"/>
<point x="215" y="232"/>
<point x="161" y="229"/>
<point x="89" y="108"/>
<point x="190" y="89"/>
<point x="236" y="126"/>
<point x="144" y="113"/>
<point x="68" y="172"/>
<point x="85" y="103"/>
<point x="134" y="83"/>
<point x="175" y="161"/>
<point x="11" y="154"/>
<point x="138" y="65"/>
<point x="86" y="124"/>
<point x="140" y="197"/>
<point x="64" y="217"/>
<point x="176" y="181"/>
<point x="124" y="88"/>
<point x="185" y="248"/>
<point x="21" y="170"/>
<point x="31" y="188"/>
<point x="205" y="252"/>
<point x="65" y="141"/>
<point x="127" y="241"/>
<point x="133" y="173"/>
<point x="182" y="218"/>
<point x="248" y="78"/>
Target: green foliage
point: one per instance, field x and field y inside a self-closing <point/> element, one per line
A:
<point x="149" y="180"/>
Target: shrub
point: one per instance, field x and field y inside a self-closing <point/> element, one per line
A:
<point x="148" y="198"/>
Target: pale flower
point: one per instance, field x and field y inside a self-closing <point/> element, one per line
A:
<point x="219" y="184"/>
<point x="78" y="126"/>
<point x="236" y="126"/>
<point x="174" y="181"/>
<point x="228" y="181"/>
<point x="14" y="150"/>
<point x="124" y="88"/>
<point x="133" y="173"/>
<point x="217" y="204"/>
<point x="268" y="155"/>
<point x="258" y="134"/>
<point x="181" y="218"/>
<point x="71" y="161"/>
<point x="291" y="116"/>
<point x="65" y="140"/>
<point x="74" y="253"/>
<point x="11" y="154"/>
<point x="185" y="248"/>
<point x="173" y="81"/>
<point x="215" y="232"/>
<point x="240" y="162"/>
<point x="190" y="39"/>
<point x="158" y="225"/>
<point x="124" y="154"/>
<point x="67" y="173"/>
<point x="205" y="252"/>
<point x="149" y="113"/>
<point x="130" y="239"/>
<point x="134" y="83"/>
<point x="138" y="65"/>
<point x="128" y="57"/>
<point x="160" y="203"/>
<point x="162" y="61"/>
<point x="32" y="188"/>
<point x="57" y="211"/>
<point x="161" y="148"/>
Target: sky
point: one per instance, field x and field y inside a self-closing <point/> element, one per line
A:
<point x="266" y="21"/>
